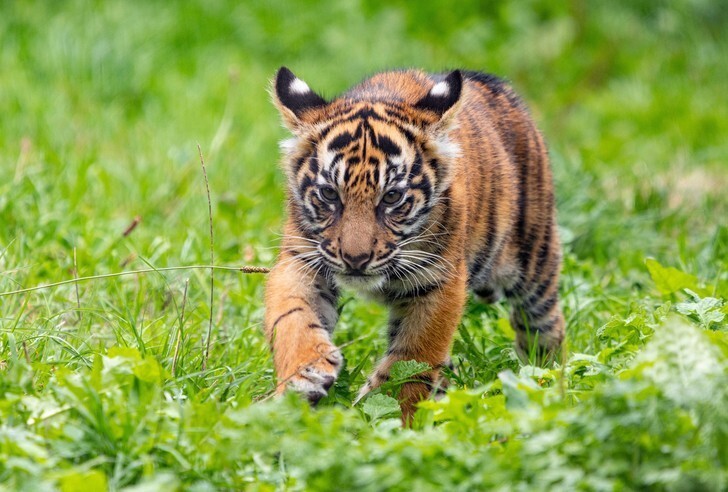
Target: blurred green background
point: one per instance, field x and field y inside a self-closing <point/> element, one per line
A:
<point x="111" y="97"/>
<point x="102" y="106"/>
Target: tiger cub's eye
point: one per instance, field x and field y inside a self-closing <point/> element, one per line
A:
<point x="329" y="194"/>
<point x="391" y="197"/>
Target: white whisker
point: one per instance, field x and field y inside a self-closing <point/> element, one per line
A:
<point x="288" y="236"/>
<point x="422" y="270"/>
<point x="411" y="272"/>
<point x="430" y="264"/>
<point x="432" y="259"/>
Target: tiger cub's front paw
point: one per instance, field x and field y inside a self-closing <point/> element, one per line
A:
<point x="312" y="372"/>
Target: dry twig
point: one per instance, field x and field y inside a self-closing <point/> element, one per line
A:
<point x="133" y="225"/>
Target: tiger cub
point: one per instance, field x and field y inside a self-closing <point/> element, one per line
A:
<point x="411" y="188"/>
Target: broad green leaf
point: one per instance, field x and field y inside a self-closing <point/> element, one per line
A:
<point x="125" y="352"/>
<point x="160" y="482"/>
<point x="670" y="280"/>
<point x="93" y="480"/>
<point x="405" y="369"/>
<point x="706" y="310"/>
<point x="504" y="325"/>
<point x="378" y="406"/>
<point x="21" y="442"/>
<point x="97" y="372"/>
<point x="517" y="390"/>
<point x="684" y="364"/>
<point x="460" y="405"/>
<point x="148" y="370"/>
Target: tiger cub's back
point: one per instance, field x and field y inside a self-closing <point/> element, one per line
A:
<point x="514" y="246"/>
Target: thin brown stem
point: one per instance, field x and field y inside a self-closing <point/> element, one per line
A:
<point x="212" y="260"/>
<point x="242" y="269"/>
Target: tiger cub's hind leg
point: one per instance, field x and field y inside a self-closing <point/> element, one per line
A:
<point x="537" y="319"/>
<point x="488" y="294"/>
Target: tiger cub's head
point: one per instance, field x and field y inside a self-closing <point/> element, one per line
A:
<point x="366" y="170"/>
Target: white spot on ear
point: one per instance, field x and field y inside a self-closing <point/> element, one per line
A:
<point x="441" y="89"/>
<point x="298" y="86"/>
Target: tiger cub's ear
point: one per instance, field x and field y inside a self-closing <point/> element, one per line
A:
<point x="443" y="96"/>
<point x="442" y="102"/>
<point x="293" y="98"/>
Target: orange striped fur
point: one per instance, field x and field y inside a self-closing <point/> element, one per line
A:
<point x="411" y="188"/>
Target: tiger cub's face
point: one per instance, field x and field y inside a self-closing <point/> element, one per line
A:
<point x="364" y="177"/>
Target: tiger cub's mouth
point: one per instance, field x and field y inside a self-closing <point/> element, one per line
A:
<point x="360" y="281"/>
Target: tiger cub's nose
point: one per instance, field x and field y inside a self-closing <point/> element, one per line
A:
<point x="357" y="263"/>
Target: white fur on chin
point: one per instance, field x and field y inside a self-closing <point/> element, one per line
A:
<point x="362" y="284"/>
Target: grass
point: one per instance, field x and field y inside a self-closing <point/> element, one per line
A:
<point x="104" y="383"/>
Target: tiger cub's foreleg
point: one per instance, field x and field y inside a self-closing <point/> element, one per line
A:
<point x="300" y="316"/>
<point x="421" y="329"/>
